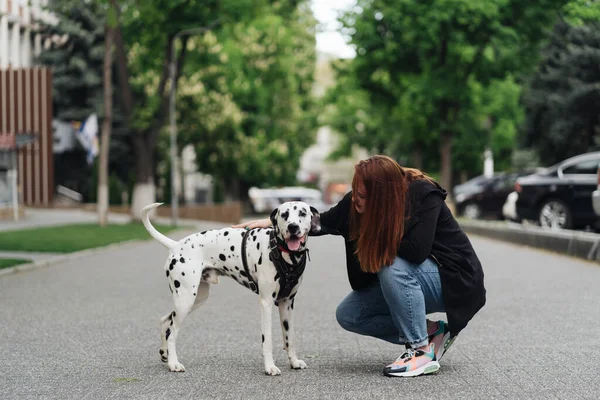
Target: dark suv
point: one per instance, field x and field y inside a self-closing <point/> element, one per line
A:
<point x="484" y="196"/>
<point x="560" y="196"/>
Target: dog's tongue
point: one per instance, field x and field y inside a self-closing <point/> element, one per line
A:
<point x="293" y="244"/>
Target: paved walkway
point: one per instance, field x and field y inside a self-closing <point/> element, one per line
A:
<point x="88" y="329"/>
<point x="28" y="255"/>
<point x="39" y="217"/>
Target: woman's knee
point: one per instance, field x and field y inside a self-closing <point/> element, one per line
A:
<point x="346" y="316"/>
<point x="400" y="268"/>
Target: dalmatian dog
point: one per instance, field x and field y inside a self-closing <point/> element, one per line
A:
<point x="268" y="261"/>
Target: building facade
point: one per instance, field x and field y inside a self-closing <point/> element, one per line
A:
<point x="25" y="103"/>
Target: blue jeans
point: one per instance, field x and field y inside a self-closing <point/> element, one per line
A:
<point x="394" y="308"/>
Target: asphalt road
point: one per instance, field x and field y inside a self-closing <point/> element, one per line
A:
<point x="88" y="329"/>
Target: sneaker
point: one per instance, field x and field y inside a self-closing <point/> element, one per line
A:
<point x="414" y="363"/>
<point x="442" y="340"/>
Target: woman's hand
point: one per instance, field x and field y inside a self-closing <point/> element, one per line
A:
<point x="257" y="223"/>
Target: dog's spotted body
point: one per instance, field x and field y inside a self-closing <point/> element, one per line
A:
<point x="200" y="259"/>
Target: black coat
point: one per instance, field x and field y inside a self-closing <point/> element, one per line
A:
<point x="431" y="231"/>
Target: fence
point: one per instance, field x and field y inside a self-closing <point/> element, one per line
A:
<point x="26" y="108"/>
<point x="228" y="213"/>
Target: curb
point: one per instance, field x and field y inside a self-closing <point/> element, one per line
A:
<point x="584" y="245"/>
<point x="75" y="255"/>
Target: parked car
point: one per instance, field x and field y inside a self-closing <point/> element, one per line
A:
<point x="265" y="200"/>
<point x="560" y="196"/>
<point x="596" y="194"/>
<point x="484" y="196"/>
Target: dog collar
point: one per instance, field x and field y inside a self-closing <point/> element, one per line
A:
<point x="282" y="246"/>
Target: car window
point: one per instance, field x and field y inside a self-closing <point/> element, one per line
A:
<point x="584" y="167"/>
<point x="504" y="182"/>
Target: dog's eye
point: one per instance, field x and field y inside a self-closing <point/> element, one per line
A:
<point x="285" y="215"/>
<point x="302" y="214"/>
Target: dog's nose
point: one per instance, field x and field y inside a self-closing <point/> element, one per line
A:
<point x="293" y="228"/>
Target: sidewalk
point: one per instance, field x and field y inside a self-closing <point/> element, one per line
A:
<point x="28" y="255"/>
<point x="40" y="217"/>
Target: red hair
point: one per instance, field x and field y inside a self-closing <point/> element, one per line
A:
<point x="379" y="229"/>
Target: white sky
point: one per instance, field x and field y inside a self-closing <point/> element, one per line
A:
<point x="329" y="39"/>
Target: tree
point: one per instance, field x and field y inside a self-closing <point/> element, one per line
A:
<point x="77" y="91"/>
<point x="106" y="127"/>
<point x="423" y="62"/>
<point x="578" y="12"/>
<point x="247" y="99"/>
<point x="347" y="108"/>
<point x="563" y="96"/>
<point x="143" y="55"/>
<point x="492" y="122"/>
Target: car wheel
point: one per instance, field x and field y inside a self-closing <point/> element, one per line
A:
<point x="555" y="214"/>
<point x="472" y="211"/>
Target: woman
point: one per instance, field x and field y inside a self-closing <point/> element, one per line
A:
<point x="406" y="257"/>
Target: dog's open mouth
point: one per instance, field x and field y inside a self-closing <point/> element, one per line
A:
<point x="293" y="242"/>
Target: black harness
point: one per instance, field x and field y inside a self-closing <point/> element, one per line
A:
<point x="252" y="284"/>
<point x="288" y="274"/>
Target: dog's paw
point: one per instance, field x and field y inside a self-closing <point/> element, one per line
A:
<point x="176" y="367"/>
<point x="298" y="364"/>
<point x="163" y="355"/>
<point x="272" y="370"/>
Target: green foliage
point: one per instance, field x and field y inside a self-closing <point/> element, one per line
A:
<point x="492" y="122"/>
<point x="77" y="65"/>
<point x="244" y="100"/>
<point x="579" y="12"/>
<point x="148" y="28"/>
<point x="563" y="97"/>
<point x="71" y="238"/>
<point x="427" y="68"/>
<point x="348" y="108"/>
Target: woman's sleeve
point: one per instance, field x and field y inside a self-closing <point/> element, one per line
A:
<point x="417" y="242"/>
<point x="331" y="219"/>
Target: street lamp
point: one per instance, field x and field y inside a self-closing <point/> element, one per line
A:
<point x="172" y="69"/>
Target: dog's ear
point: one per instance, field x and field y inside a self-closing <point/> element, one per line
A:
<point x="315" y="221"/>
<point x="273" y="217"/>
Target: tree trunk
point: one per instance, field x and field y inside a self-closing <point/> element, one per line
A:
<point x="144" y="190"/>
<point x="182" y="194"/>
<point x="232" y="189"/>
<point x="417" y="157"/>
<point x="448" y="117"/>
<point x="123" y="73"/>
<point x="106" y="128"/>
<point x="446" y="158"/>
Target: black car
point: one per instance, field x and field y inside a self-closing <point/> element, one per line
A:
<point x="560" y="196"/>
<point x="484" y="196"/>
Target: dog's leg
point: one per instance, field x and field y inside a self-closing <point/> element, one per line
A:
<point x="266" y="305"/>
<point x="286" y="313"/>
<point x="183" y="300"/>
<point x="166" y="321"/>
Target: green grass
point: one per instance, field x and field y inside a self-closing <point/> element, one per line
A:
<point x="11" y="262"/>
<point x="71" y="238"/>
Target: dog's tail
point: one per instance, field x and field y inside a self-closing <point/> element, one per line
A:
<point x="165" y="241"/>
